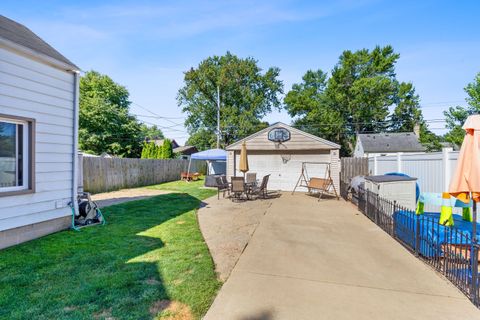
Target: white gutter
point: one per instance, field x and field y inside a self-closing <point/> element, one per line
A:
<point x="76" y="78"/>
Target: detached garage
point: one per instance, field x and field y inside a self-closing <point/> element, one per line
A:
<point x="280" y="150"/>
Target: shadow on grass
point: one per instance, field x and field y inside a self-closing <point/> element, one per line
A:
<point x="116" y="270"/>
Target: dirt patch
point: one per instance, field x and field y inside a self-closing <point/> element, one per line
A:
<point x="171" y="310"/>
<point x="152" y="282"/>
<point x="177" y="282"/>
<point x="116" y="197"/>
<point x="227" y="228"/>
<point x="69" y="308"/>
<point x="104" y="314"/>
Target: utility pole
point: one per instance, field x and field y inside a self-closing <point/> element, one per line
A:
<point x="218" y="117"/>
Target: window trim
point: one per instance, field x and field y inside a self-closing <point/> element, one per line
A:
<point x="30" y="125"/>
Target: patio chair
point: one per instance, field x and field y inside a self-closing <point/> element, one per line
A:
<point x="222" y="186"/>
<point x="238" y="187"/>
<point x="251" y="178"/>
<point x="224" y="180"/>
<point x="261" y="191"/>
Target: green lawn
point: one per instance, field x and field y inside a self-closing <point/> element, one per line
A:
<point x="149" y="253"/>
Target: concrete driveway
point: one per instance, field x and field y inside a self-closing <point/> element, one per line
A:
<point x="311" y="260"/>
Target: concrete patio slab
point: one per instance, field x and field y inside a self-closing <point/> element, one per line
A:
<point x="311" y="260"/>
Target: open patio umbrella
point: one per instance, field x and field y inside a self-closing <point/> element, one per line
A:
<point x="465" y="183"/>
<point x="243" y="159"/>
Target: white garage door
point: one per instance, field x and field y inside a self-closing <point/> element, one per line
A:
<point x="284" y="175"/>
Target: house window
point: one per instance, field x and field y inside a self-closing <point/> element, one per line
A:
<point x="16" y="156"/>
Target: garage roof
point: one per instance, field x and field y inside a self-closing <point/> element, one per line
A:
<point x="299" y="140"/>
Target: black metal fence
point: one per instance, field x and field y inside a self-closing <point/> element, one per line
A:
<point x="447" y="249"/>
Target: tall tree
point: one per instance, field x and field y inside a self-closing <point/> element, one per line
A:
<point x="105" y="122"/>
<point x="202" y="139"/>
<point x="308" y="102"/>
<point x="355" y="99"/>
<point x="152" y="132"/>
<point x="363" y="86"/>
<point x="407" y="115"/>
<point x="246" y="94"/>
<point x="407" y="112"/>
<point x="456" y="116"/>
<point x="167" y="149"/>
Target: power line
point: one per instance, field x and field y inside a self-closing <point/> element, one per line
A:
<point x="156" y="117"/>
<point x="163" y="127"/>
<point x="155" y="114"/>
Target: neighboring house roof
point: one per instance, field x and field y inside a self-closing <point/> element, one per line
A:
<point x="390" y="142"/>
<point x="18" y="34"/>
<point x="319" y="142"/>
<point x="185" y="150"/>
<point x="159" y="142"/>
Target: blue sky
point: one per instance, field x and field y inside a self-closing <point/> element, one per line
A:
<point x="146" y="45"/>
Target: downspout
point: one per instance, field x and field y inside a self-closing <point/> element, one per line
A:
<point x="76" y="76"/>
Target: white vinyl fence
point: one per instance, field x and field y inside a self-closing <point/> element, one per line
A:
<point x="433" y="170"/>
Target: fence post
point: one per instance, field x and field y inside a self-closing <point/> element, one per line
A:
<point x="446" y="167"/>
<point x="474" y="258"/>
<point x="417" y="234"/>
<point x="377" y="198"/>
<point x="399" y="162"/>
<point x="393" y="218"/>
<point x="365" y="211"/>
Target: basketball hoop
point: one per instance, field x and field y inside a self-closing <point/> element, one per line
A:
<point x="285" y="156"/>
<point x="277" y="144"/>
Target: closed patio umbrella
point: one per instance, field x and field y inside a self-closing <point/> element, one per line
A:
<point x="243" y="159"/>
<point x="465" y="183"/>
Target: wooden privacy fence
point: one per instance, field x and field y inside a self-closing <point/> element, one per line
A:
<point x="108" y="174"/>
<point x="352" y="167"/>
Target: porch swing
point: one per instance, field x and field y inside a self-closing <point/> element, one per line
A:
<point x="318" y="185"/>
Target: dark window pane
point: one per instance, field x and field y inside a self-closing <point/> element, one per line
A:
<point x="20" y="157"/>
<point x="8" y="174"/>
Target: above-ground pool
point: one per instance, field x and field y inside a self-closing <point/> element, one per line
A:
<point x="432" y="235"/>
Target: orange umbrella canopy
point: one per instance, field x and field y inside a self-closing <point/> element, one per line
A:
<point x="466" y="178"/>
<point x="243" y="159"/>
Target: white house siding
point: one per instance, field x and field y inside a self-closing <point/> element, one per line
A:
<point x="35" y="90"/>
<point x="230" y="164"/>
<point x="335" y="168"/>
